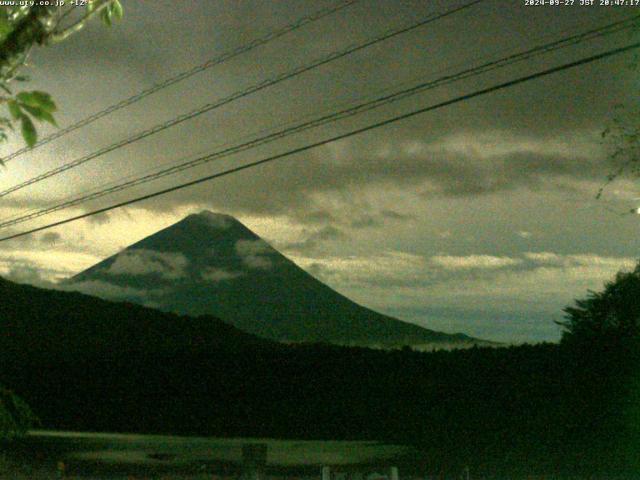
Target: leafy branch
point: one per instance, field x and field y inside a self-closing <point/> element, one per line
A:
<point x="39" y="24"/>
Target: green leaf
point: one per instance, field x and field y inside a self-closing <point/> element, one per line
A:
<point x="37" y="99"/>
<point x="29" y="131"/>
<point x="5" y="27"/>
<point x="40" y="114"/>
<point x="47" y="117"/>
<point x="22" y="78"/>
<point x="14" y="109"/>
<point x="117" y="10"/>
<point x="105" y="15"/>
<point x="5" y="88"/>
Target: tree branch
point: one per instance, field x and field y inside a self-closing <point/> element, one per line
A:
<point x="29" y="30"/>
<point x="58" y="36"/>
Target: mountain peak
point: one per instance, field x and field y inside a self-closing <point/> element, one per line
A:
<point x="210" y="263"/>
<point x="213" y="215"/>
<point x="213" y="219"/>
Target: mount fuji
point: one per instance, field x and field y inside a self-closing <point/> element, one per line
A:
<point x="211" y="264"/>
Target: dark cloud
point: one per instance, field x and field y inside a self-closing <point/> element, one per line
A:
<point x="364" y="221"/>
<point x="29" y="273"/>
<point x="313" y="239"/>
<point x="399" y="216"/>
<point x="25" y="273"/>
<point x="99" y="219"/>
<point x="317" y="216"/>
<point x="110" y="291"/>
<point x="346" y="215"/>
<point x="318" y="270"/>
<point x="299" y="188"/>
<point x="576" y="103"/>
<point x="50" y="237"/>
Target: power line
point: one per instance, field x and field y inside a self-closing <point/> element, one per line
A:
<point x="269" y="37"/>
<point x="335" y="116"/>
<point x="240" y="94"/>
<point x="462" y="98"/>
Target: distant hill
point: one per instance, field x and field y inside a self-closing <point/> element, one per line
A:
<point x="39" y="323"/>
<point x="211" y="264"/>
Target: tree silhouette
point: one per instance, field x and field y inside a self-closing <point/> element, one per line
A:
<point x="610" y="317"/>
<point x="15" y="416"/>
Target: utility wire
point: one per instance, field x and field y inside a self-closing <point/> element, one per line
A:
<point x="335" y="116"/>
<point x="269" y="37"/>
<point x="332" y="117"/>
<point x="235" y="96"/>
<point x="459" y="99"/>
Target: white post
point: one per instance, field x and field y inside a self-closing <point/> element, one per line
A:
<point x="326" y="473"/>
<point x="394" y="474"/>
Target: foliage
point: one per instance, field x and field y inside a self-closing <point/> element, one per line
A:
<point x="15" y="416"/>
<point x="611" y="316"/>
<point x="21" y="28"/>
<point x="86" y="364"/>
<point x="622" y="137"/>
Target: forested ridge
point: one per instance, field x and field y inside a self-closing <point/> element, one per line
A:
<point x="570" y="407"/>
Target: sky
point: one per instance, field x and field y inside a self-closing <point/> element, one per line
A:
<point x="480" y="217"/>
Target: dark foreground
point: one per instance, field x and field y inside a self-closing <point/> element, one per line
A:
<point x="48" y="454"/>
<point x="44" y="455"/>
<point x="83" y="364"/>
<point x="506" y="411"/>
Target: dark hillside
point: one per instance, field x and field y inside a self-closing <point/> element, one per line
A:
<point x="39" y="323"/>
<point x="87" y="364"/>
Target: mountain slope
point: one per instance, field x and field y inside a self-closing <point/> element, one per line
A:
<point x="37" y="323"/>
<point x="212" y="264"/>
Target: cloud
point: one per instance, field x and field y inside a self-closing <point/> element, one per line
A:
<point x="109" y="291"/>
<point x="257" y="262"/>
<point x="99" y="219"/>
<point x="364" y="221"/>
<point x="345" y="213"/>
<point x="52" y="264"/>
<point x="168" y="265"/>
<point x="217" y="220"/>
<point x="388" y="268"/>
<point x="473" y="261"/>
<point x="254" y="253"/>
<point x="393" y="215"/>
<point x="506" y="298"/>
<point x="333" y="185"/>
<point x="579" y="260"/>
<point x="318" y="216"/>
<point x="468" y="164"/>
<point x="216" y="275"/>
<point x="50" y="237"/>
<point x="31" y="274"/>
<point x="252" y="247"/>
<point x="544" y="257"/>
<point x="310" y="239"/>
